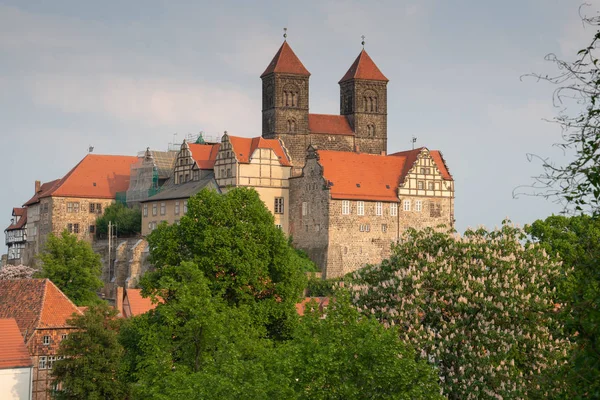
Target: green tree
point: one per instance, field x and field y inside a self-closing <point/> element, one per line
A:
<point x="233" y="240"/>
<point x="576" y="242"/>
<point x="480" y="307"/>
<point x="339" y="354"/>
<point x="128" y="221"/>
<point x="73" y="266"/>
<point x="92" y="356"/>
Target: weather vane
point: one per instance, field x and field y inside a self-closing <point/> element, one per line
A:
<point x="284" y="33"/>
<point x="363" y="41"/>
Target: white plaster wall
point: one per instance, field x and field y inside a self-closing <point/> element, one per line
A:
<point x="15" y="384"/>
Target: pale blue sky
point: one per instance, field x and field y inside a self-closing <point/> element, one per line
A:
<point x="125" y="75"/>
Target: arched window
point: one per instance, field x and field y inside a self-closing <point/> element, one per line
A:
<point x="375" y="104"/>
<point x="291" y="125"/>
<point x="370" y="101"/>
<point x="366" y="102"/>
<point x="371" y="130"/>
<point x="290" y="95"/>
<point x="286" y="98"/>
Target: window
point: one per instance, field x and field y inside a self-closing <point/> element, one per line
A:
<point x="304" y="208"/>
<point x="406" y="205"/>
<point x="145" y="210"/>
<point x="383" y="228"/>
<point x="378" y="208"/>
<point x="364" y="227"/>
<point x="70" y="228"/>
<point x="92" y="228"/>
<point x="278" y="205"/>
<point x="425" y="171"/>
<point x="75" y="228"/>
<point x="278" y="226"/>
<point x="420" y="185"/>
<point x="163" y="208"/>
<point x="435" y="209"/>
<point x="154" y="209"/>
<point x="360" y="208"/>
<point x="345" y="207"/>
<point x="393" y="209"/>
<point x="229" y="172"/>
<point x="185" y="206"/>
<point x="177" y="208"/>
<point x="51" y="360"/>
<point x="430" y="185"/>
<point x="46" y="340"/>
<point x="42" y="363"/>
<point x="418" y="205"/>
<point x="63" y="336"/>
<point x="72" y="207"/>
<point x="317" y="227"/>
<point x="95" y="208"/>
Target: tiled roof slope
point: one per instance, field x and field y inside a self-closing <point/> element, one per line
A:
<point x="205" y="155"/>
<point x="286" y="61"/>
<point x="360" y="176"/>
<point x="329" y="124"/>
<point x="243" y="148"/>
<point x="13" y="353"/>
<point x="96" y="176"/>
<point x="18" y="212"/>
<point x="138" y="304"/>
<point x="35" y="303"/>
<point x="45" y="189"/>
<point x="436" y="155"/>
<point x="441" y="164"/>
<point x="322" y="303"/>
<point x="364" y="68"/>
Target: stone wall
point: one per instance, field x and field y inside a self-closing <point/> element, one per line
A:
<point x="73" y="210"/>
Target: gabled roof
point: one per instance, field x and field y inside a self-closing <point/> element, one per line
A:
<point x="322" y="303"/>
<point x="329" y="124"/>
<point x="13" y="352"/>
<point x="360" y="176"/>
<point x="185" y="190"/>
<point x="134" y="304"/>
<point x="205" y="155"/>
<point x="45" y="189"/>
<point x="364" y="68"/>
<point x="441" y="164"/>
<point x="35" y="303"/>
<point x="286" y="62"/>
<point x="22" y="214"/>
<point x="244" y="148"/>
<point x="411" y="157"/>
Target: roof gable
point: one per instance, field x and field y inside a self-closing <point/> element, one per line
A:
<point x="135" y="304"/>
<point x="96" y="176"/>
<point x="13" y="352"/>
<point x="412" y="156"/>
<point x="286" y="62"/>
<point x="364" y="68"/>
<point x="244" y="148"/>
<point x="329" y="124"/>
<point x="205" y="155"/>
<point x="22" y="220"/>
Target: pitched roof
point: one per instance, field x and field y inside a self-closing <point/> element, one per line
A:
<point x="244" y="148"/>
<point x="436" y="155"/>
<point x="22" y="214"/>
<point x="185" y="190"/>
<point x="441" y="164"/>
<point x="35" y="303"/>
<point x="205" y="155"/>
<point x="329" y="124"/>
<point x="361" y="176"/>
<point x="286" y="61"/>
<point x="45" y="189"/>
<point x="13" y="352"/>
<point x="137" y="304"/>
<point x="364" y="68"/>
<point x="322" y="303"/>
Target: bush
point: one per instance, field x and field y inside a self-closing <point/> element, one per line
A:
<point x="127" y="220"/>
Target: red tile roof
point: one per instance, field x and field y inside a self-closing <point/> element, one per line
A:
<point x="18" y="212"/>
<point x="205" y="155"/>
<point x="322" y="303"/>
<point x="329" y="124"/>
<point x="286" y="61"/>
<point x="45" y="189"/>
<point x="137" y="304"/>
<point x="364" y="68"/>
<point x="35" y="303"/>
<point x="96" y="176"/>
<point x="13" y="352"/>
<point x="360" y="176"/>
<point x="244" y="148"/>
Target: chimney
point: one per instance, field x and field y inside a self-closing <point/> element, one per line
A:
<point x="119" y="300"/>
<point x="383" y="152"/>
<point x="38" y="186"/>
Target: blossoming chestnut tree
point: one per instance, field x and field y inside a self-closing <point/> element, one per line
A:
<point x="481" y="307"/>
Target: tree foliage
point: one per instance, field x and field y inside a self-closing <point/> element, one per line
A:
<point x="578" y="96"/>
<point x="73" y="266"/>
<point x="233" y="240"/>
<point x="576" y="242"/>
<point x="92" y="356"/>
<point x="128" y="221"/>
<point x="480" y="307"/>
<point x="9" y="272"/>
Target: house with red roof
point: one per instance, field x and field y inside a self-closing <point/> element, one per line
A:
<point x="41" y="312"/>
<point x="15" y="362"/>
<point x="348" y="208"/>
<point x="75" y="201"/>
<point x="130" y="302"/>
<point x="16" y="236"/>
<point x="259" y="163"/>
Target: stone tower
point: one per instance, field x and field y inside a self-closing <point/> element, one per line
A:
<point x="363" y="100"/>
<point x="285" y="102"/>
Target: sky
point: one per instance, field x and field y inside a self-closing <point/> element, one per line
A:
<point x="125" y="75"/>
